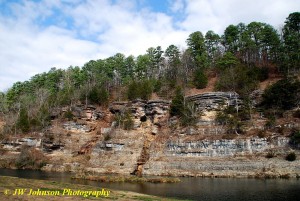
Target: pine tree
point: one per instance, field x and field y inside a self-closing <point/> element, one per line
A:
<point x="200" y="79"/>
<point x="177" y="105"/>
<point x="23" y="122"/>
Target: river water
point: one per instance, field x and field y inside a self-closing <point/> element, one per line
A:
<point x="200" y="189"/>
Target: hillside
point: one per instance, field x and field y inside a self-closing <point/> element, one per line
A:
<point x="227" y="106"/>
<point x="96" y="140"/>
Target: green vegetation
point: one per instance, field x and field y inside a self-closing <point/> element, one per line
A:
<point x="295" y="137"/>
<point x="69" y="115"/>
<point x="200" y="79"/>
<point x="98" y="96"/>
<point x="291" y="156"/>
<point x="125" y="120"/>
<point x="233" y="119"/>
<point x="284" y="95"/>
<point x="141" y="89"/>
<point x="177" y="104"/>
<point x="11" y="183"/>
<point x="134" y="179"/>
<point x="23" y="121"/>
<point x="185" y="111"/>
<point x="107" y="137"/>
<point x="241" y="57"/>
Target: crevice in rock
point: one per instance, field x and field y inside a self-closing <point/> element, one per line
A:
<point x="144" y="156"/>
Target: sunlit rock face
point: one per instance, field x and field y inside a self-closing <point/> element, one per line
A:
<point x="155" y="111"/>
<point x="214" y="100"/>
<point x="223" y="147"/>
<point x="208" y="104"/>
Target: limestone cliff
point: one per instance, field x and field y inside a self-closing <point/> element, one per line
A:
<point x="157" y="145"/>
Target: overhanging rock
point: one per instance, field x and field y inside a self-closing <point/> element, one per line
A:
<point x="214" y="100"/>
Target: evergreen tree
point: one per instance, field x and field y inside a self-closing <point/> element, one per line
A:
<point x="284" y="94"/>
<point x="177" y="104"/>
<point x="200" y="79"/>
<point x="23" y="121"/>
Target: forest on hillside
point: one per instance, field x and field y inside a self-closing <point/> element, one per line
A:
<point x="243" y="56"/>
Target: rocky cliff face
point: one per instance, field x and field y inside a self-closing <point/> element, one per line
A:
<point x="157" y="145"/>
<point x="223" y="147"/>
<point x="214" y="100"/>
<point x="236" y="157"/>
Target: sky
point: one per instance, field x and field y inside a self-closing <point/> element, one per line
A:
<point x="36" y="35"/>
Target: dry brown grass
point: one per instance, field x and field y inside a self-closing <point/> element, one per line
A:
<point x="9" y="184"/>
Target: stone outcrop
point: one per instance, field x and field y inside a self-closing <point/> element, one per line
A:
<point x="214" y="100"/>
<point x="208" y="104"/>
<point x="159" y="145"/>
<point x="88" y="112"/>
<point x="203" y="129"/>
<point x="156" y="111"/>
<point x="15" y="143"/>
<point x="223" y="147"/>
<point x="223" y="167"/>
<point x="256" y="97"/>
<point x="223" y="158"/>
<point x="118" y="154"/>
<point x="73" y="126"/>
<point x="79" y="111"/>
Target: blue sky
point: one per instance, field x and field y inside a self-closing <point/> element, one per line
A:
<point x="40" y="34"/>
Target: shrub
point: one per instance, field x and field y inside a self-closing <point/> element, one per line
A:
<point x="124" y="120"/>
<point x="295" y="137"/>
<point x="145" y="89"/>
<point x="282" y="95"/>
<point x="270" y="123"/>
<point x="189" y="115"/>
<point x="93" y="95"/>
<point x="103" y="97"/>
<point x="107" y="137"/>
<point x="30" y="158"/>
<point x="200" y="79"/>
<point x="231" y="119"/>
<point x="296" y="114"/>
<point x="127" y="121"/>
<point x="23" y="121"/>
<point x="259" y="73"/>
<point x="222" y="118"/>
<point x="157" y="86"/>
<point x="270" y="154"/>
<point x="132" y="91"/>
<point x="141" y="89"/>
<point x="69" y="115"/>
<point x="261" y="134"/>
<point x="177" y="104"/>
<point x="240" y="79"/>
<point x="291" y="156"/>
<point x="263" y="74"/>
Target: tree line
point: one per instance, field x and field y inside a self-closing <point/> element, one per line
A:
<point x="240" y="58"/>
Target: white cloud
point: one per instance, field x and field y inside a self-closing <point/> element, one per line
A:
<point x="177" y="5"/>
<point x="216" y="15"/>
<point x="25" y="49"/>
<point x="122" y="29"/>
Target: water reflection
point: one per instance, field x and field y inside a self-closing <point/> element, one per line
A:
<point x="203" y="189"/>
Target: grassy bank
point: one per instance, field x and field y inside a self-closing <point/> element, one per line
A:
<point x="38" y="190"/>
<point x="133" y="179"/>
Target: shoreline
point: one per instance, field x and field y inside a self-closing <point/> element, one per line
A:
<point x="15" y="188"/>
<point x="109" y="177"/>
